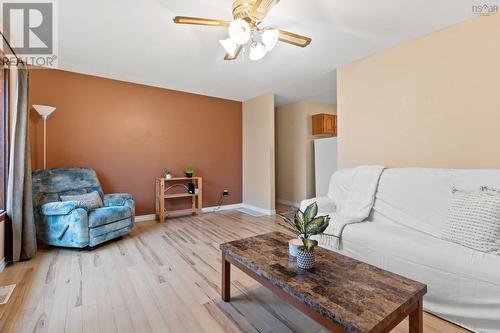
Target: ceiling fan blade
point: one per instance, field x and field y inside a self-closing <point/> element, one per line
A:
<point x="261" y="8"/>
<point x="200" y="21"/>
<point x="236" y="54"/>
<point x="294" y="39"/>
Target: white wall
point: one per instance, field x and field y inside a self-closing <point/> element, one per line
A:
<point x="258" y="153"/>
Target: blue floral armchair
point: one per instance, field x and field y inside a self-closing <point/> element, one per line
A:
<point x="68" y="223"/>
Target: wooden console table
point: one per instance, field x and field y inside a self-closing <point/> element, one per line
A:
<point x="163" y="185"/>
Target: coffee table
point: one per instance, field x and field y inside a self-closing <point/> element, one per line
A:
<point x="340" y="293"/>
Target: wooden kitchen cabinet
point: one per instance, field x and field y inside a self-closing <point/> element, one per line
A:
<point x="324" y="124"/>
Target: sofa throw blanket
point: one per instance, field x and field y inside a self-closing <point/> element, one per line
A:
<point x="358" y="203"/>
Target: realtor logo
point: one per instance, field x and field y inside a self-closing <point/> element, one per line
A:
<point x="484" y="10"/>
<point x="30" y="28"/>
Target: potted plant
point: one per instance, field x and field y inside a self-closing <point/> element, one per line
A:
<point x="168" y="175"/>
<point x="189" y="171"/>
<point x="306" y="224"/>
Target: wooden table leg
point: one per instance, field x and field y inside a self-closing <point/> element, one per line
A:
<point x="417" y="319"/>
<point x="226" y="279"/>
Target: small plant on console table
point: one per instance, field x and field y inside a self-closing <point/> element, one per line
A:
<point x="189" y="171"/>
<point x="306" y="224"/>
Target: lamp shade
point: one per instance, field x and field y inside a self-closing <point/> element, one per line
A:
<point x="239" y="31"/>
<point x="257" y="51"/>
<point x="44" y="110"/>
<point x="270" y="38"/>
<point x="229" y="46"/>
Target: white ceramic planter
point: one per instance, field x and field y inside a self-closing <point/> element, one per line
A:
<point x="305" y="259"/>
<point x="293" y="246"/>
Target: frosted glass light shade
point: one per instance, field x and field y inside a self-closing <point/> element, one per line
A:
<point x="257" y="51"/>
<point x="229" y="46"/>
<point x="239" y="31"/>
<point x="44" y="110"/>
<point x="270" y="38"/>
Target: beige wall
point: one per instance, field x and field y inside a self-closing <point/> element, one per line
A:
<point x="432" y="102"/>
<point x="295" y="150"/>
<point x="258" y="152"/>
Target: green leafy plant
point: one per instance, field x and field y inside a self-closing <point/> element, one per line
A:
<point x="306" y="224"/>
<point x="189" y="169"/>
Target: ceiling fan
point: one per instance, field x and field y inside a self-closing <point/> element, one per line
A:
<point x="246" y="28"/>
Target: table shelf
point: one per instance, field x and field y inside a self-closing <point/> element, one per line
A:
<point x="161" y="195"/>
<point x="179" y="195"/>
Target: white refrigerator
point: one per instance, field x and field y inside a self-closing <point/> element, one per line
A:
<point x="325" y="163"/>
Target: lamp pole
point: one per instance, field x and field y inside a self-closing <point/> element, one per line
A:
<point x="45" y="142"/>
<point x="45" y="112"/>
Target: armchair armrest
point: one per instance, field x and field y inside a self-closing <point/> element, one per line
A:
<point x="60" y="207"/>
<point x="117" y="199"/>
<point x="325" y="205"/>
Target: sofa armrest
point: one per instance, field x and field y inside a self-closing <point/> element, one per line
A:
<point x="70" y="230"/>
<point x="117" y="199"/>
<point x="325" y="205"/>
<point x="60" y="207"/>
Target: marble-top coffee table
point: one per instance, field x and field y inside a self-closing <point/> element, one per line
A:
<point x="340" y="293"/>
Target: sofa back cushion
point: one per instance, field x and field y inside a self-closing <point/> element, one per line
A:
<point x="50" y="184"/>
<point x="419" y="198"/>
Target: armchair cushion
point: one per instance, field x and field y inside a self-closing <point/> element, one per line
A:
<point x="116" y="199"/>
<point x="105" y="215"/>
<point x="60" y="207"/>
<point x="90" y="200"/>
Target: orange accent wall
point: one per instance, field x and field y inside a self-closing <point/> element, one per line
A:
<point x="132" y="133"/>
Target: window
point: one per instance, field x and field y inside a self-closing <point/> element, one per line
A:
<point x="4" y="130"/>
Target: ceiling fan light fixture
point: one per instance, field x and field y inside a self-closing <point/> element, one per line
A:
<point x="257" y="51"/>
<point x="270" y="38"/>
<point x="239" y="31"/>
<point x="229" y="46"/>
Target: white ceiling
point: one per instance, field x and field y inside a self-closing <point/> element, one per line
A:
<point x="136" y="41"/>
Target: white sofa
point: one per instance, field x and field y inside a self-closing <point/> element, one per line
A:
<point x="403" y="235"/>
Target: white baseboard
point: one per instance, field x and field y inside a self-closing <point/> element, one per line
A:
<point x="223" y="207"/>
<point x="143" y="218"/>
<point x="289" y="203"/>
<point x="260" y="210"/>
<point x="152" y="217"/>
<point x="2" y="264"/>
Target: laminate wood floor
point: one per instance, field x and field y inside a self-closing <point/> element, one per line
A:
<point x="160" y="278"/>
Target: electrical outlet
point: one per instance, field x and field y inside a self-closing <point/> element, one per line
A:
<point x="225" y="193"/>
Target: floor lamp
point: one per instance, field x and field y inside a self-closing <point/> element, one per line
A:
<point x="44" y="111"/>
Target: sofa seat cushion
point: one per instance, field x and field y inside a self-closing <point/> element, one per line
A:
<point x="461" y="281"/>
<point x="105" y="215"/>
